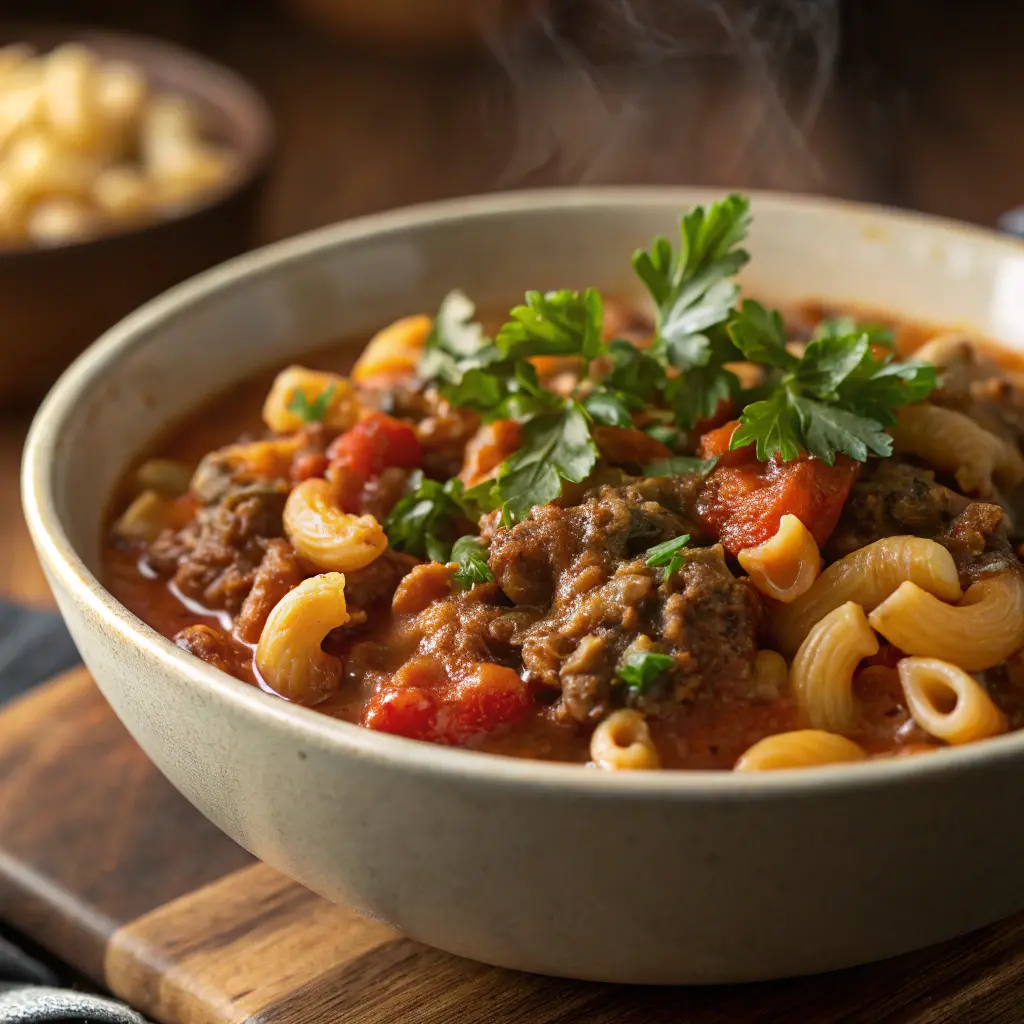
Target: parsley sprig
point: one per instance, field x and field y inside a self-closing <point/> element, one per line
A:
<point x="838" y="397"/>
<point x="641" y="669"/>
<point x="694" y="294"/>
<point x="668" y="554"/>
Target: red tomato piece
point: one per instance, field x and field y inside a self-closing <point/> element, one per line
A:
<point x="492" y="696"/>
<point x="374" y="444"/>
<point x="409" y="711"/>
<point x="744" y="500"/>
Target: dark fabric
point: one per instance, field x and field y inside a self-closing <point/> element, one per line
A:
<point x="34" y="647"/>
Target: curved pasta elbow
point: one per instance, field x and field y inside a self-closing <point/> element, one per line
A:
<point x="947" y="703"/>
<point x="979" y="632"/>
<point x="340" y="405"/>
<point x="803" y="748"/>
<point x="956" y="443"/>
<point x="622" y="742"/>
<point x="394" y="352"/>
<point x="821" y="675"/>
<point x="786" y="565"/>
<point x="289" y="656"/>
<point x="867" y="577"/>
<point x="326" y="536"/>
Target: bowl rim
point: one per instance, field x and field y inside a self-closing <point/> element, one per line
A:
<point x="314" y="729"/>
<point x="144" y="48"/>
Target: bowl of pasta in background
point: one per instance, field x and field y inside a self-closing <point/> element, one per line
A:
<point x="78" y="251"/>
<point x="646" y="877"/>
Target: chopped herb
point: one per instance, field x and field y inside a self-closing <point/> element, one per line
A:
<point x="667" y="554"/>
<point x="838" y="398"/>
<point x="694" y="295"/>
<point x="471" y="554"/>
<point x="662" y="432"/>
<point x="561" y="323"/>
<point x="419" y="521"/>
<point x="680" y="465"/>
<point x="837" y="326"/>
<point x="454" y="338"/>
<point x="640" y="669"/>
<point x="310" y="410"/>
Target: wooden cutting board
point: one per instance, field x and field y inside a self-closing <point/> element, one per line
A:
<point x="104" y="864"/>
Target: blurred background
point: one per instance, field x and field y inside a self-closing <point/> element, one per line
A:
<point x="397" y="101"/>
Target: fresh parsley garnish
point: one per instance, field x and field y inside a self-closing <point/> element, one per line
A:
<point x="471" y="554"/>
<point x="838" y="326"/>
<point x="454" y="339"/>
<point x="694" y="294"/>
<point x="667" y="554"/>
<point x="640" y="669"/>
<point x="420" y="520"/>
<point x="310" y="410"/>
<point x="839" y="397"/>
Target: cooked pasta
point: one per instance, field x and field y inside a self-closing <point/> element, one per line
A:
<point x="822" y="671"/>
<point x="980" y="631"/>
<point x="947" y="703"/>
<point x="954" y="442"/>
<point x="289" y="656"/>
<point x="802" y="748"/>
<point x="785" y="566"/>
<point x="557" y="542"/>
<point x="868" y="576"/>
<point x="327" y="537"/>
<point x="622" y="742"/>
<point x="393" y="352"/>
<point x="294" y="397"/>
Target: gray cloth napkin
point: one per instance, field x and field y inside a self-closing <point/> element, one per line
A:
<point x="34" y="647"/>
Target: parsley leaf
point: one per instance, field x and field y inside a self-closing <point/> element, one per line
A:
<point x="420" y="519"/>
<point x="697" y="394"/>
<point x="680" y="465"/>
<point x="667" y="554"/>
<point x="691" y="286"/>
<point x="838" y="398"/>
<point x="837" y="326"/>
<point x="556" y="446"/>
<point x="761" y="336"/>
<point x="642" y="668"/>
<point x="310" y="410"/>
<point x="471" y="554"/>
<point x="772" y="425"/>
<point x="453" y="339"/>
<point x="561" y="323"/>
<point x="609" y="408"/>
<point x="634" y="371"/>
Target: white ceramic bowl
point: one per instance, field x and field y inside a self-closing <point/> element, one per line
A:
<point x="648" y="877"/>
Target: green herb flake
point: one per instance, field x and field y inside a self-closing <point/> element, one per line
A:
<point x="667" y="554"/>
<point x="310" y="410"/>
<point x="471" y="554"/>
<point x="680" y="465"/>
<point x="640" y="669"/>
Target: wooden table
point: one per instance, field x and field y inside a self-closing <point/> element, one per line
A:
<point x="206" y="934"/>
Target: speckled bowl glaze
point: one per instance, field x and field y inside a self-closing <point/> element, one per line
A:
<point x="645" y="877"/>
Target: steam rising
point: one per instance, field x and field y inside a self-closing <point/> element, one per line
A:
<point x="669" y="90"/>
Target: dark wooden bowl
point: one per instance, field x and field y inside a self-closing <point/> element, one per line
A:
<point x="56" y="301"/>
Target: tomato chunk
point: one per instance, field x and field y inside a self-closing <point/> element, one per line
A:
<point x="744" y="500"/>
<point x="374" y="444"/>
<point x="423" y="701"/>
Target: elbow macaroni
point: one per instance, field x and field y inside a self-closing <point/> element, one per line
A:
<point x="341" y="411"/>
<point x="803" y="748"/>
<point x="785" y="566"/>
<point x="956" y="443"/>
<point x="325" y="536"/>
<point x="868" y="576"/>
<point x="948" y="703"/>
<point x="822" y="671"/>
<point x="289" y="656"/>
<point x="622" y="742"/>
<point x="979" y="632"/>
<point x="393" y="352"/>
